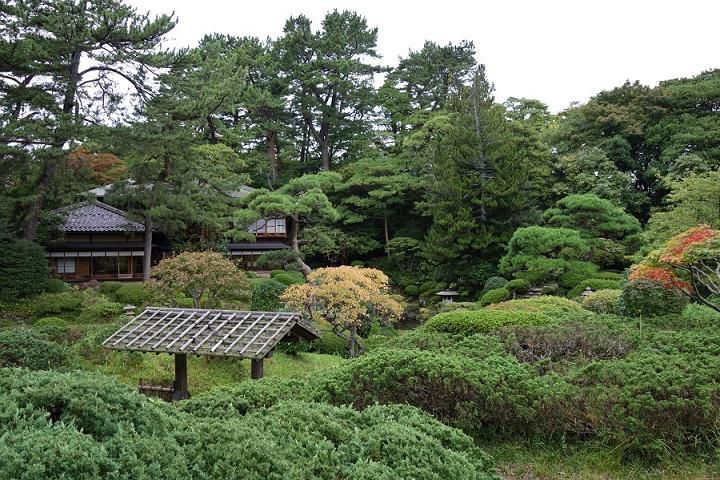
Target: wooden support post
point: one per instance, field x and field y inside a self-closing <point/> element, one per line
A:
<point x="256" y="368"/>
<point x="181" y="379"/>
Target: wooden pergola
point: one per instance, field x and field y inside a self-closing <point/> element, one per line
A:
<point x="221" y="333"/>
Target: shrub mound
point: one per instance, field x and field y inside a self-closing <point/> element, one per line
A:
<point x="25" y="348"/>
<point x="266" y="295"/>
<point x="603" y="302"/>
<point x="287" y="277"/>
<point x="643" y="298"/>
<point x="132" y="294"/>
<point x="552" y="306"/>
<point x="496" y="295"/>
<point x="101" y="429"/>
<point x="594" y="284"/>
<point x="100" y="312"/>
<point x="469" y="322"/>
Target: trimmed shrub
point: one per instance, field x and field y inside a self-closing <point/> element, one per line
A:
<point x="609" y="276"/>
<point x="25" y="348"/>
<point x="23" y="268"/>
<point x="552" y="306"/>
<point x="49" y="303"/>
<point x="603" y="301"/>
<point x="357" y="263"/>
<point x="518" y="285"/>
<point x="266" y="295"/>
<point x="288" y="277"/>
<point x="330" y="344"/>
<point x="50" y="322"/>
<point x="643" y="298"/>
<point x="496" y="295"/>
<point x="577" y="272"/>
<point x="412" y="290"/>
<point x="700" y="315"/>
<point x="594" y="284"/>
<point x="493" y="283"/>
<point x="55" y="285"/>
<point x="132" y="294"/>
<point x="109" y="287"/>
<point x="100" y="312"/>
<point x="469" y="322"/>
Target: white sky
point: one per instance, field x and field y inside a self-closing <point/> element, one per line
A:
<point x="557" y="51"/>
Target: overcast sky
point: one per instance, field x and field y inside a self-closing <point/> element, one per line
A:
<point x="558" y="51"/>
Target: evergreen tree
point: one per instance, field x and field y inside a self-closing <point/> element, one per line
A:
<point x="63" y="65"/>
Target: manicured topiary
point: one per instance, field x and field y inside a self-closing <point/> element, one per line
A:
<point x="412" y="290"/>
<point x="645" y="298"/>
<point x="594" y="284"/>
<point x="266" y="295"/>
<point x="110" y="287"/>
<point x="518" y="285"/>
<point x="603" y="301"/>
<point x="50" y="322"/>
<point x="288" y="278"/>
<point x="552" y="306"/>
<point x="493" y="283"/>
<point x="131" y="294"/>
<point x="469" y="322"/>
<point x="496" y="295"/>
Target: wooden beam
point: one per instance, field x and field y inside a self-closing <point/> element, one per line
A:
<point x="181" y="378"/>
<point x="256" y="368"/>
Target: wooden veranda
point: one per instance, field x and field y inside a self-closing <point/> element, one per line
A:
<point x="221" y="333"/>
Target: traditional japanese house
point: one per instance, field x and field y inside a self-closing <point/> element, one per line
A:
<point x="99" y="242"/>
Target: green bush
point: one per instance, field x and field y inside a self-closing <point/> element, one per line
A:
<point x="50" y="322"/>
<point x="496" y="295"/>
<point x="469" y="322"/>
<point x="518" y="285"/>
<point x="101" y="429"/>
<point x="593" y="284"/>
<point x="494" y="282"/>
<point x="100" y="312"/>
<point x="553" y="306"/>
<point x="25" y="348"/>
<point x="357" y="263"/>
<point x="609" y="276"/>
<point x="266" y="295"/>
<point x="108" y="288"/>
<point x="330" y="344"/>
<point x="603" y="301"/>
<point x="643" y="298"/>
<point x="288" y="277"/>
<point x="24" y="269"/>
<point x="412" y="290"/>
<point x="55" y="285"/>
<point x="53" y="303"/>
<point x="132" y="294"/>
<point x="700" y="315"/>
<point x="576" y="273"/>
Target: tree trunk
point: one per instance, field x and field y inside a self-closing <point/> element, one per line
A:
<point x="323" y="138"/>
<point x="355" y="347"/>
<point x="387" y="233"/>
<point x="50" y="164"/>
<point x="295" y="245"/>
<point x="271" y="137"/>
<point x="147" y="248"/>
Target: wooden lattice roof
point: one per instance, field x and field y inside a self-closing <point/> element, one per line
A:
<point x="223" y="333"/>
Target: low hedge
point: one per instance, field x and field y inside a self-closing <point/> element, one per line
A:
<point x="549" y="305"/>
<point x="100" y="312"/>
<point x="594" y="284"/>
<point x="644" y="298"/>
<point x="266" y="295"/>
<point x="132" y="294"/>
<point x="469" y="322"/>
<point x="287" y="277"/>
<point x="603" y="301"/>
<point x="110" y="287"/>
<point x="496" y="295"/>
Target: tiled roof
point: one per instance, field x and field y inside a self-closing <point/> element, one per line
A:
<point x="97" y="217"/>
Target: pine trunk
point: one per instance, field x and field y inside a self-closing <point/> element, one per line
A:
<point x="147" y="248"/>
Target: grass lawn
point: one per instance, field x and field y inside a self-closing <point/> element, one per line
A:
<point x="520" y="461"/>
<point x="205" y="373"/>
